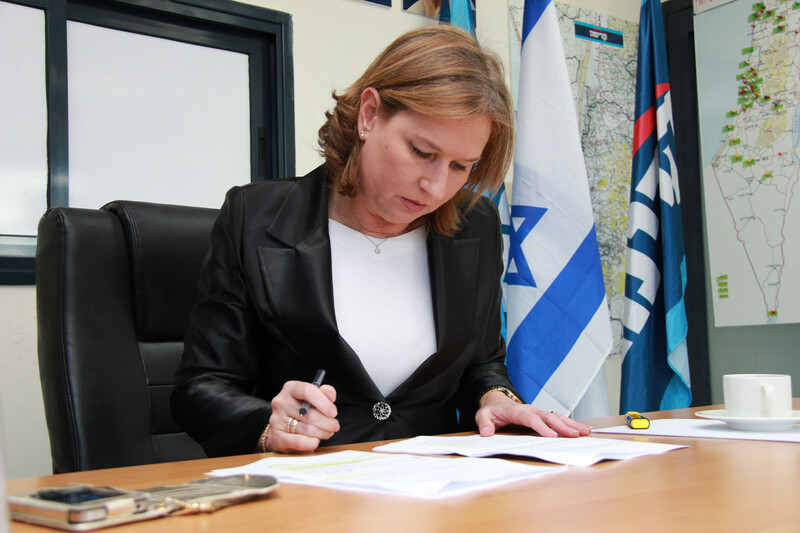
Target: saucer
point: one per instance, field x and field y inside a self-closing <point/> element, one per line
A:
<point x="752" y="424"/>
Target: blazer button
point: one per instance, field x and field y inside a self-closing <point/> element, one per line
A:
<point x="381" y="410"/>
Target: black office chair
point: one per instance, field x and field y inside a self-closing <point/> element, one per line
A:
<point x="114" y="288"/>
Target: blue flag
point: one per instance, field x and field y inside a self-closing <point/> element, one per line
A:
<point x="459" y="13"/>
<point x="655" y="370"/>
<point x="558" y="323"/>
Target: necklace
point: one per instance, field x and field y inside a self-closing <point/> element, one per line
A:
<point x="377" y="245"/>
<point x="336" y="215"/>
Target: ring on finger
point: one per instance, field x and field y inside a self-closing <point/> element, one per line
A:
<point x="291" y="425"/>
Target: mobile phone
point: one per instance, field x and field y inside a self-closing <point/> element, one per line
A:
<point x="212" y="493"/>
<point x="81" y="507"/>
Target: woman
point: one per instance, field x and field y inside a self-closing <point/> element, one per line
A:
<point x="382" y="267"/>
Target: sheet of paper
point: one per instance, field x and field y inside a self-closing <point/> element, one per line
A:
<point x="409" y="475"/>
<point x="582" y="451"/>
<point x="695" y="427"/>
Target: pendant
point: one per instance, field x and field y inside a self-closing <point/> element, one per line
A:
<point x="377" y="250"/>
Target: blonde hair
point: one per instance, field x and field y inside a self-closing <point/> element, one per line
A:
<point x="438" y="71"/>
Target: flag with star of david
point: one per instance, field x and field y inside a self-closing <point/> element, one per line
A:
<point x="558" y="323"/>
<point x="655" y="368"/>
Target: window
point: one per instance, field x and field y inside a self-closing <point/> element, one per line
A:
<point x="166" y="101"/>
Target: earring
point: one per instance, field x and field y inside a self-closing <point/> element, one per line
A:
<point x="362" y="134"/>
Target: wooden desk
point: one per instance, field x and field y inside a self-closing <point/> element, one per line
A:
<point x="714" y="485"/>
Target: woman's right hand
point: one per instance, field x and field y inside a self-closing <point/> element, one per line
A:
<point x="304" y="435"/>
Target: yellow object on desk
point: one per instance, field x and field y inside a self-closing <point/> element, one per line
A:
<point x="636" y="421"/>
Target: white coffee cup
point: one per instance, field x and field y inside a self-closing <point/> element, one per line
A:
<point x="757" y="395"/>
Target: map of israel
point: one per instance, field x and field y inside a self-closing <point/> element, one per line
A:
<point x="751" y="162"/>
<point x="602" y="69"/>
<point x="603" y="80"/>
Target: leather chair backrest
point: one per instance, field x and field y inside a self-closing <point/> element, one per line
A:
<point x="114" y="288"/>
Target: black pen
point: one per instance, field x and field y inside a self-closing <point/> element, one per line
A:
<point x="320" y="375"/>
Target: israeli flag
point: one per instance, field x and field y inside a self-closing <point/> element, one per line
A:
<point x="558" y="323"/>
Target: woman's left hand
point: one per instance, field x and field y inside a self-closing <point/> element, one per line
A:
<point x="498" y="410"/>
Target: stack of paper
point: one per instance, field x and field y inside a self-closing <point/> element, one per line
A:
<point x="583" y="451"/>
<point x="410" y="475"/>
<point x="712" y="429"/>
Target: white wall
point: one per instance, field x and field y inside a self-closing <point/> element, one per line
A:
<point x="334" y="40"/>
<point x="27" y="446"/>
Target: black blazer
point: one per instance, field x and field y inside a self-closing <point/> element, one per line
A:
<point x="266" y="316"/>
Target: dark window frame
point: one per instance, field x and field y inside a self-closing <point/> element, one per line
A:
<point x="266" y="35"/>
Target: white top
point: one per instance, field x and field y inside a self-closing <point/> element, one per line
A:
<point x="383" y="303"/>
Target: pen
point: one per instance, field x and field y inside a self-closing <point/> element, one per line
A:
<point x="318" y="377"/>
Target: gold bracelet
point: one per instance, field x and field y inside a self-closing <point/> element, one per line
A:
<point x="504" y="390"/>
<point x="262" y="440"/>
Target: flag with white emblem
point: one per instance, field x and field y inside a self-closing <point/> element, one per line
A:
<point x="655" y="371"/>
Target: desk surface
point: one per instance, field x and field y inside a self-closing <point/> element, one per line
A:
<point x="713" y="485"/>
